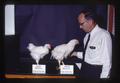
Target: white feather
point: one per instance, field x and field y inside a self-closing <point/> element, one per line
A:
<point x="38" y="52"/>
<point x="62" y="51"/>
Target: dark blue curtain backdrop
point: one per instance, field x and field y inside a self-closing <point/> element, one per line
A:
<point x="54" y="24"/>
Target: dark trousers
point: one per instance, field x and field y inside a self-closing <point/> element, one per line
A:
<point x="90" y="71"/>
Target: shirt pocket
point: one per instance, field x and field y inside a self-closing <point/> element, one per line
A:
<point x="92" y="51"/>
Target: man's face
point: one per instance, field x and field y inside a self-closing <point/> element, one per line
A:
<point x="84" y="23"/>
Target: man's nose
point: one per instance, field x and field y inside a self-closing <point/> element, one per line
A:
<point x="80" y="26"/>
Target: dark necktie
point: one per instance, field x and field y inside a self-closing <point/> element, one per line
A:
<point x="85" y="47"/>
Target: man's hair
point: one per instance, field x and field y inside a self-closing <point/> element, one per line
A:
<point x="89" y="14"/>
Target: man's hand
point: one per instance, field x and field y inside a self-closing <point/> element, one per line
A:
<point x="77" y="54"/>
<point x="74" y="54"/>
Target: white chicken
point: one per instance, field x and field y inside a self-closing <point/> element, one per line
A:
<point x="38" y="52"/>
<point x="62" y="51"/>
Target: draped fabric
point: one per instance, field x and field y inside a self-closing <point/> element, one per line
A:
<point x="111" y="19"/>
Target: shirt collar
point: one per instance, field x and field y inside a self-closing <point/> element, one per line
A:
<point x="95" y="29"/>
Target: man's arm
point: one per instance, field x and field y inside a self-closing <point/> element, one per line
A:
<point x="106" y="57"/>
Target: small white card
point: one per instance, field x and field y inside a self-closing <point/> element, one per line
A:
<point x="38" y="69"/>
<point x="66" y="69"/>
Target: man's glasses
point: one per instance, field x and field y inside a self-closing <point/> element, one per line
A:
<point x="81" y="24"/>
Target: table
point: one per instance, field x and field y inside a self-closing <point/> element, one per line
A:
<point x="36" y="76"/>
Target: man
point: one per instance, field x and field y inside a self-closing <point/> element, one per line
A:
<point x="98" y="51"/>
